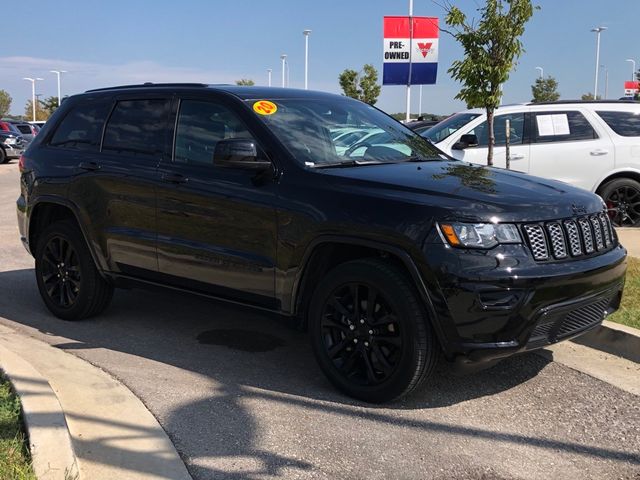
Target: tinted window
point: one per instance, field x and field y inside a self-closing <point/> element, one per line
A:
<point x="500" y="130"/>
<point x="81" y="128"/>
<point x="201" y="125"/>
<point x="25" y="129"/>
<point x="449" y="126"/>
<point x="561" y="127"/>
<point x="626" y="124"/>
<point x="137" y="126"/>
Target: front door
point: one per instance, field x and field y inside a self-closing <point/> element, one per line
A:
<point x="216" y="225"/>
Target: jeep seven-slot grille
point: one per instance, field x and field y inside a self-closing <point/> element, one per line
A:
<point x="573" y="237"/>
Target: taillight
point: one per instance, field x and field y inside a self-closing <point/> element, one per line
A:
<point x="4" y="126"/>
<point x="21" y="163"/>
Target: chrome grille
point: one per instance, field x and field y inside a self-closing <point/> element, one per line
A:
<point x="587" y="237"/>
<point x="537" y="241"/>
<point x="573" y="237"/>
<point x="581" y="236"/>
<point x="597" y="230"/>
<point x="558" y="245"/>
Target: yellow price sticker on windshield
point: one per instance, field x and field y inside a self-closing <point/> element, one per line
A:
<point x="265" y="107"/>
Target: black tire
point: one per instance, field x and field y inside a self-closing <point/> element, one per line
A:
<point x="68" y="280"/>
<point x="3" y="156"/>
<point x="622" y="197"/>
<point x="385" y="353"/>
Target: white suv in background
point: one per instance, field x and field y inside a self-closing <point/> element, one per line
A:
<point x="593" y="145"/>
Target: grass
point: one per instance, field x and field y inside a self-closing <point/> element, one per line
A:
<point x="629" y="313"/>
<point x="14" y="456"/>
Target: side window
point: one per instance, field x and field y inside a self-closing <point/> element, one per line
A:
<point x="561" y="127"/>
<point x="500" y="130"/>
<point x="81" y="128"/>
<point x="137" y="126"/>
<point x="201" y="125"/>
<point x="625" y="124"/>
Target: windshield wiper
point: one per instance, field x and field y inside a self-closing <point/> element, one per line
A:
<point x="346" y="163"/>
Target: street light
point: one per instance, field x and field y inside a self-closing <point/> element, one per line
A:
<point x="306" y="34"/>
<point x="33" y="93"/>
<point x="58" y="73"/>
<point x="597" y="31"/>
<point x="606" y="81"/>
<point x="269" y="70"/>
<point x="633" y="68"/>
<point x="541" y="72"/>
<point x="284" y="62"/>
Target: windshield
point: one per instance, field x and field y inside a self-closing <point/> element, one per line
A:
<point x="448" y="127"/>
<point x="309" y="129"/>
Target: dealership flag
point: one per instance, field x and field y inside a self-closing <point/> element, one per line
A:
<point x="404" y="55"/>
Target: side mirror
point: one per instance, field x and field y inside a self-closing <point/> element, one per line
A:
<point x="238" y="153"/>
<point x="466" y="141"/>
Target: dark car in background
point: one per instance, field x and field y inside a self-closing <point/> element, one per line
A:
<point x="420" y="126"/>
<point x="25" y="129"/>
<point x="12" y="145"/>
<point x="390" y="253"/>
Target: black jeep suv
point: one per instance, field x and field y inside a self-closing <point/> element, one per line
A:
<point x="389" y="252"/>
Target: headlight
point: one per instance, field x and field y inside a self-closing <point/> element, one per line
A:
<point x="10" y="141"/>
<point x="480" y="235"/>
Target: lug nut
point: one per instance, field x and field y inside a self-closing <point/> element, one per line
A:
<point x="362" y="320"/>
<point x="352" y="327"/>
<point x="355" y="340"/>
<point x="366" y="344"/>
<point x="370" y="332"/>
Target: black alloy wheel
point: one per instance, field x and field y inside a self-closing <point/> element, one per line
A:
<point x="361" y="333"/>
<point x="60" y="272"/>
<point x="622" y="197"/>
<point x="370" y="332"/>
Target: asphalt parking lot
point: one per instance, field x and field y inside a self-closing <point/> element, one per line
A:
<point x="240" y="395"/>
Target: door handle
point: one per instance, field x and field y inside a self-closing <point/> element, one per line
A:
<point x="174" y="178"/>
<point x="599" y="152"/>
<point x="90" y="166"/>
<point x="517" y="156"/>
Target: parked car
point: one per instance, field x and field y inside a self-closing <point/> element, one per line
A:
<point x="389" y="259"/>
<point x="594" y="145"/>
<point x="9" y="126"/>
<point x="420" y="126"/>
<point x="11" y="146"/>
<point x="25" y="129"/>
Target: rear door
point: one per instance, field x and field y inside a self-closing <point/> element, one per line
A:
<point x="116" y="187"/>
<point x="216" y="226"/>
<point x="568" y="145"/>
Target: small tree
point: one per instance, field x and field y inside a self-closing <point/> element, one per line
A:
<point x="41" y="113"/>
<point x="361" y="85"/>
<point x="49" y="105"/>
<point x="589" y="97"/>
<point x="545" y="90"/>
<point x="245" y="81"/>
<point x="491" y="50"/>
<point x="5" y="103"/>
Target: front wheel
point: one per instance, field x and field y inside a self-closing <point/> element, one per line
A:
<point x="3" y="156"/>
<point x="369" y="331"/>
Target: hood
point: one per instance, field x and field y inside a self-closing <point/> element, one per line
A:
<point x="465" y="191"/>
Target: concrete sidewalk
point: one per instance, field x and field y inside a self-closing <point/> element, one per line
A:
<point x="80" y="419"/>
<point x="630" y="238"/>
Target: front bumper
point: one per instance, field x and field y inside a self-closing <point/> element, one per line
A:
<point x="13" y="151"/>
<point x="493" y="304"/>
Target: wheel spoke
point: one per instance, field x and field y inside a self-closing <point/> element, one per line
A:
<point x="338" y="347"/>
<point x="335" y="303"/>
<point x="371" y="375"/>
<point x="330" y="322"/>
<point x="371" y="302"/>
<point x="354" y="287"/>
<point x="382" y="359"/>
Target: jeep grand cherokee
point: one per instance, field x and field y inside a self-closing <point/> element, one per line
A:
<point x="390" y="254"/>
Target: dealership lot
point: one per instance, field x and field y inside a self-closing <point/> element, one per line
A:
<point x="241" y="396"/>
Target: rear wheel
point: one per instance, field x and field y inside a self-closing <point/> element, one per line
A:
<point x="369" y="331"/>
<point x="68" y="280"/>
<point x="622" y="197"/>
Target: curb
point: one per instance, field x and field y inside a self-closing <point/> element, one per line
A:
<point x="615" y="339"/>
<point x="50" y="445"/>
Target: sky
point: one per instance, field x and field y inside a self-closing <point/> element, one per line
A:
<point x="122" y="42"/>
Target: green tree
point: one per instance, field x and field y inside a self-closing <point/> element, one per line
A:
<point x="589" y="97"/>
<point x="491" y="48"/>
<point x="245" y="81"/>
<point x="361" y="85"/>
<point x="41" y="113"/>
<point x="545" y="90"/>
<point x="49" y="105"/>
<point x="5" y="103"/>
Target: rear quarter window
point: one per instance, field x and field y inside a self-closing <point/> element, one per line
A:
<point x="81" y="128"/>
<point x="625" y="124"/>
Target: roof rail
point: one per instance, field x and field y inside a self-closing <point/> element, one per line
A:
<point x="563" y="102"/>
<point x="148" y="84"/>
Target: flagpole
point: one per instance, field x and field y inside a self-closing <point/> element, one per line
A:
<point x="410" y="52"/>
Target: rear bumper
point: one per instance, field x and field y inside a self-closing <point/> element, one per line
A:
<point x="491" y="305"/>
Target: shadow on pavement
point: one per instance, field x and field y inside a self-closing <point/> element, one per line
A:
<point x="273" y="363"/>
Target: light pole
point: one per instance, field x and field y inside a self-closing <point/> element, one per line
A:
<point x="284" y="61"/>
<point x="58" y="73"/>
<point x="33" y="93"/>
<point x="606" y="81"/>
<point x="541" y="72"/>
<point x="597" y="31"/>
<point x="269" y="70"/>
<point x="633" y="68"/>
<point x="306" y="34"/>
<point x="408" y="108"/>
